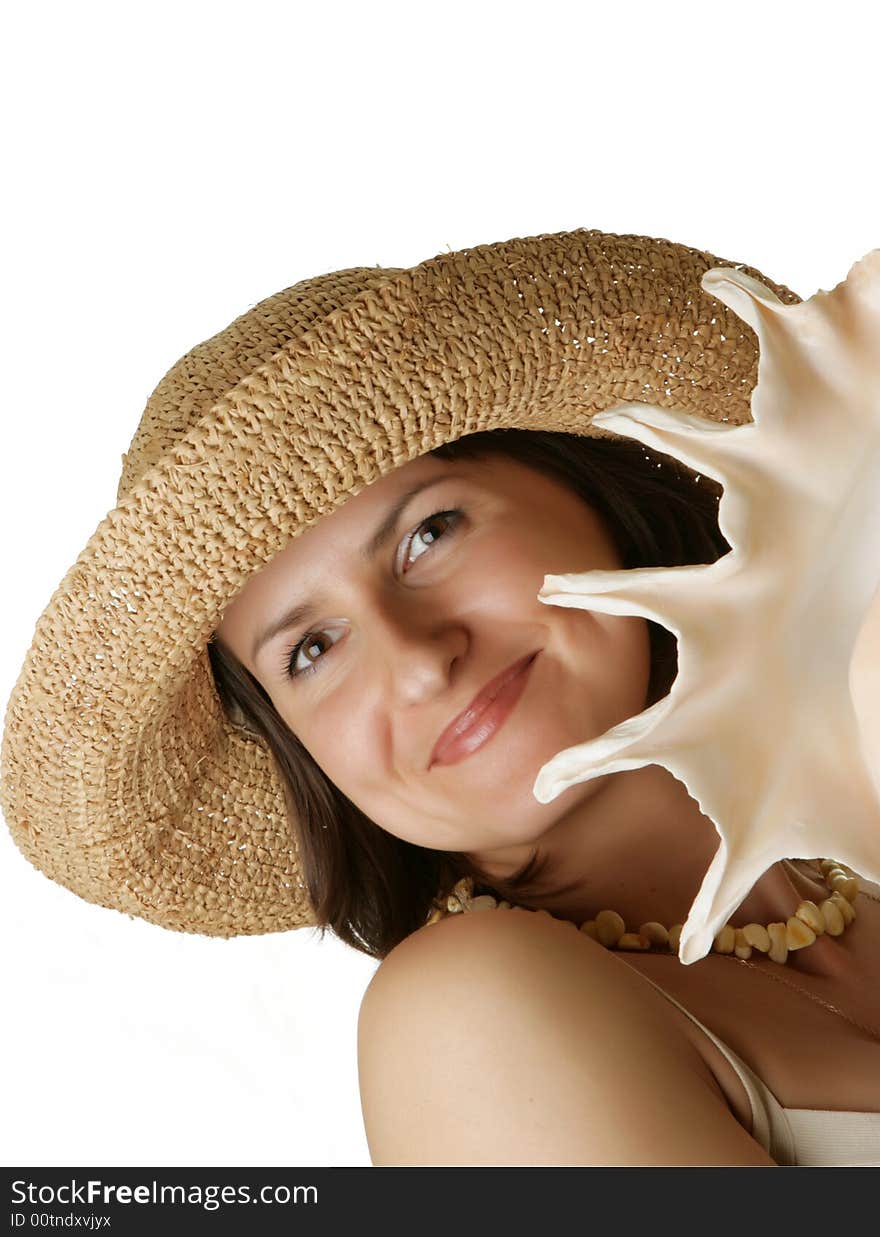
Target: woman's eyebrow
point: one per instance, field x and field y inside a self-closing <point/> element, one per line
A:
<point x="303" y="611"/>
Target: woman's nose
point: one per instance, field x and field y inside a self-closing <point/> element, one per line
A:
<point x="414" y="650"/>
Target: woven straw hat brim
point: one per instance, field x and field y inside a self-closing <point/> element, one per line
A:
<point x="120" y="776"/>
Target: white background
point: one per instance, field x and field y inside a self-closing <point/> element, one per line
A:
<point x="168" y="165"/>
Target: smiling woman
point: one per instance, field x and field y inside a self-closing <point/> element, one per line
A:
<point x="354" y="694"/>
<point x="303" y="675"/>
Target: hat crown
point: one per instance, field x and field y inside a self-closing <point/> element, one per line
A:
<point x="214" y="366"/>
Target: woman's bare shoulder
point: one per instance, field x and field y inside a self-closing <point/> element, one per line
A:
<point x="465" y="940"/>
<point x="486" y="954"/>
<point x="510" y="1038"/>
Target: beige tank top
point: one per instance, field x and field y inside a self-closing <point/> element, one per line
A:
<point x="799" y="1136"/>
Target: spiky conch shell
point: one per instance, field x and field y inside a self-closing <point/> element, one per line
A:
<point x="773" y="721"/>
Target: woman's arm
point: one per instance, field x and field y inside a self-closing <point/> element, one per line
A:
<point x="510" y="1039"/>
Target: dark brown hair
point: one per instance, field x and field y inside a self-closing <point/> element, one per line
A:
<point x="373" y="889"/>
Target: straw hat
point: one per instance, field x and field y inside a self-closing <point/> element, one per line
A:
<point x="121" y="777"/>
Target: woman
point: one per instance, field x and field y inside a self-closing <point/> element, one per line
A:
<point x="367" y="680"/>
<point x="404" y="471"/>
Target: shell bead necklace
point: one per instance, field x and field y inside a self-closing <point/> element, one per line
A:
<point x="837" y="876"/>
<point x="776" y="940"/>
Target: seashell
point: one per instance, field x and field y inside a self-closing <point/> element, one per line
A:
<point x="757" y="936"/>
<point x="847" y="885"/>
<point x="633" y="940"/>
<point x="778" y="950"/>
<point x="655" y="932"/>
<point x="833" y="917"/>
<point x="811" y="915"/>
<point x="610" y="927"/>
<point x="725" y="940"/>
<point x="742" y="948"/>
<point x="846" y="908"/>
<point x="779" y="639"/>
<point x="485" y="902"/>
<point x="798" y="934"/>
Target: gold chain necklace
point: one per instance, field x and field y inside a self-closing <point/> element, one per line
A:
<point x="873" y="1031"/>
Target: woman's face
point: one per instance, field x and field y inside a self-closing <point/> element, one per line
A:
<point x="404" y="631"/>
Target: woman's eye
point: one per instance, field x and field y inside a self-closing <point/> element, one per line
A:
<point x="436" y="520"/>
<point x="295" y="668"/>
<point x="304" y="649"/>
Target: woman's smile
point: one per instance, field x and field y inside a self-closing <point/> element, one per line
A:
<point x="485" y="716"/>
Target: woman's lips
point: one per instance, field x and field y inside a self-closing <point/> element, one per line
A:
<point x="484" y="716"/>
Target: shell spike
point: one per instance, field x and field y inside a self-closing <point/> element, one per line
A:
<point x="649" y="592"/>
<point x="698" y="442"/>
